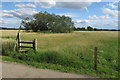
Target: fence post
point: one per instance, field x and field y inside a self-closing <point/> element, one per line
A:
<point x="19" y="44"/>
<point x="35" y="44"/>
<point x="95" y="58"/>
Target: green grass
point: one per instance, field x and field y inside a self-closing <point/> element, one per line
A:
<point x="48" y="66"/>
<point x="72" y="52"/>
<point x="7" y="46"/>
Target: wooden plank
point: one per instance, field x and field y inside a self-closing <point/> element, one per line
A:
<point x="26" y="42"/>
<point x="25" y="47"/>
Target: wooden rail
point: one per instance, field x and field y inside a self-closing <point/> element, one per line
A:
<point x="25" y="47"/>
<point x="26" y="42"/>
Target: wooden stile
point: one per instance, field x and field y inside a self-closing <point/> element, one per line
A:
<point x="19" y="42"/>
<point x="34" y="44"/>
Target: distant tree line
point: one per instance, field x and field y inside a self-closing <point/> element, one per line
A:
<point x="44" y="21"/>
<point x="4" y="28"/>
<point x="89" y="28"/>
<point x="74" y="28"/>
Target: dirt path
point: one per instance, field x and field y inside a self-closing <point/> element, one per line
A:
<point x="16" y="70"/>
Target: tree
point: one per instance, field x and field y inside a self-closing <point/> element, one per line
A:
<point x="89" y="28"/>
<point x="26" y="23"/>
<point x="74" y="28"/>
<point x="44" y="21"/>
<point x="95" y="29"/>
<point x="83" y="29"/>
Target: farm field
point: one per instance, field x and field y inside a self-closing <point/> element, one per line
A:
<point x="71" y="52"/>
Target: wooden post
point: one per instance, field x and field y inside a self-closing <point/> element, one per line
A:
<point x="35" y="44"/>
<point x="95" y="58"/>
<point x="19" y="44"/>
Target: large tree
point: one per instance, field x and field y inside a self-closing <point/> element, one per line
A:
<point x="44" y="21"/>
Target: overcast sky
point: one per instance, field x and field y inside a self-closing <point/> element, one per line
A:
<point x="96" y="14"/>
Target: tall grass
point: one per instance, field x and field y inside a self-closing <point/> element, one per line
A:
<point x="8" y="45"/>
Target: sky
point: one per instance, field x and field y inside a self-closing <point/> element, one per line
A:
<point x="102" y="15"/>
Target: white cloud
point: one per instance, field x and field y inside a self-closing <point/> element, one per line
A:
<point x="19" y="13"/>
<point x="104" y="17"/>
<point x="12" y="18"/>
<point x="73" y="5"/>
<point x="78" y="0"/>
<point x="108" y="13"/>
<point x="79" y="4"/>
<point x="14" y="22"/>
<point x="68" y="14"/>
<point x="81" y="21"/>
<point x="7" y="15"/>
<point x="25" y="5"/>
<point x="93" y="17"/>
<point x="65" y="0"/>
<point x="59" y="0"/>
<point x="111" y="13"/>
<point x="112" y="5"/>
<point x="110" y="24"/>
<point x="48" y="4"/>
<point x="99" y="17"/>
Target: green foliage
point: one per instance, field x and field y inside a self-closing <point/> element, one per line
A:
<point x="80" y="29"/>
<point x="89" y="28"/>
<point x="8" y="37"/>
<point x="44" y="66"/>
<point x="81" y="63"/>
<point x="26" y="23"/>
<point x="44" y="21"/>
<point x="7" y="46"/>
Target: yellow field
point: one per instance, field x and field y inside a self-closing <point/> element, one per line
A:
<point x="58" y="41"/>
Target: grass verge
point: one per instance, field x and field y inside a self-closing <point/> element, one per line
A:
<point x="46" y="66"/>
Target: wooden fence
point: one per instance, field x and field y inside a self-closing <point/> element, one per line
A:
<point x="33" y="44"/>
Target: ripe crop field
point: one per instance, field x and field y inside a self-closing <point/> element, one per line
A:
<point x="71" y="52"/>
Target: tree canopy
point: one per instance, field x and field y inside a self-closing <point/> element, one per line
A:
<point x="44" y="21"/>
